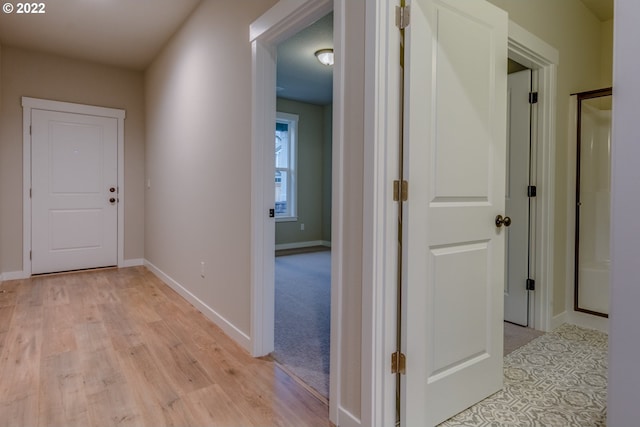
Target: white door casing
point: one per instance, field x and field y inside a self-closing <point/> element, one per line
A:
<point x="455" y="121"/>
<point x="516" y="295"/>
<point x="74" y="191"/>
<point x="91" y="122"/>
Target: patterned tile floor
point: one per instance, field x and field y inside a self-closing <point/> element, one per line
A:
<point x="558" y="379"/>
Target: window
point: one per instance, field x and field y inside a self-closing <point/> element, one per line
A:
<point x="285" y="162"/>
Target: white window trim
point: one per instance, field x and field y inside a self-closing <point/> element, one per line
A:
<point x="292" y="185"/>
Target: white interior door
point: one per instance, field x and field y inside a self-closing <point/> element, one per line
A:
<point x="74" y="191"/>
<point x="455" y="128"/>
<point x="516" y="295"/>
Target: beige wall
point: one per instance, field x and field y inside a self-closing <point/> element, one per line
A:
<point x="38" y="75"/>
<point x="310" y="174"/>
<point x="606" y="56"/>
<point x="198" y="157"/>
<point x="579" y="38"/>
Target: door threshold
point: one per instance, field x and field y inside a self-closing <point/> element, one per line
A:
<point x="82" y="270"/>
<point x="297" y="379"/>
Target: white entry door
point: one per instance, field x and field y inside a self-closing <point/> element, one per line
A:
<point x="74" y="200"/>
<point x="516" y="295"/>
<point x="453" y="270"/>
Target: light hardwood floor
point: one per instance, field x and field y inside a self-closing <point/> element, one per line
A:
<point x="118" y="347"/>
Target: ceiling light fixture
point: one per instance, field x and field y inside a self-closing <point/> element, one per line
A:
<point x="325" y="56"/>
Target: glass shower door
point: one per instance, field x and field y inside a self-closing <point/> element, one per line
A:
<point x="593" y="183"/>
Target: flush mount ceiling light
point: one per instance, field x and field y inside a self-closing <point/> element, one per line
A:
<point x="325" y="56"/>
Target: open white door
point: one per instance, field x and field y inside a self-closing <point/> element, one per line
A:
<point x="453" y="272"/>
<point x="516" y="295"/>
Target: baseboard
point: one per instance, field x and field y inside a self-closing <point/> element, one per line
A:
<point x="558" y="320"/>
<point x="133" y="262"/>
<point x="13" y="275"/>
<point x="236" y="334"/>
<point x="297" y="245"/>
<point x="589" y="321"/>
<point x="347" y="419"/>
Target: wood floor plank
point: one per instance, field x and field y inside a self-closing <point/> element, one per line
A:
<point x="108" y="393"/>
<point x="118" y="347"/>
<point x="227" y="411"/>
<point x="155" y="396"/>
<point x="62" y="395"/>
<point x="20" y="364"/>
<point x="55" y="291"/>
<point x="8" y="293"/>
<point x="187" y="372"/>
<point x="58" y="330"/>
<point x="122" y="329"/>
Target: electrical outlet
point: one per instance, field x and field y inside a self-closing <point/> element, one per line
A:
<point x="202" y="269"/>
<point x="301" y="227"/>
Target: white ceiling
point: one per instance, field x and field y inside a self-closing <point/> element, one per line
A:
<point x="130" y="33"/>
<point x="299" y="75"/>
<point x="127" y="33"/>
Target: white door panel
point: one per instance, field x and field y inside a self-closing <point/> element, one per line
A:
<point x="74" y="167"/>
<point x="516" y="295"/>
<point x="455" y="121"/>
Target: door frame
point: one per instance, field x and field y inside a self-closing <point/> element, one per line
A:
<point x="283" y="20"/>
<point x="542" y="59"/>
<point x="381" y="168"/>
<point x="29" y="104"/>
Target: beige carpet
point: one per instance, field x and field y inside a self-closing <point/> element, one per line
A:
<point x="516" y="336"/>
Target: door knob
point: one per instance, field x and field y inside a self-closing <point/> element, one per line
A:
<point x="500" y="221"/>
<point x="112" y="190"/>
<point x="112" y="200"/>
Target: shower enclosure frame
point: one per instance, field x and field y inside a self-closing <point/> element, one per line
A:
<point x="598" y="93"/>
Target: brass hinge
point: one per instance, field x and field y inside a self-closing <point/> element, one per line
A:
<point x="403" y="17"/>
<point x="400" y="191"/>
<point x="398" y="363"/>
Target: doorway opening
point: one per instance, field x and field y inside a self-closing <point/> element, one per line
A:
<point x="533" y="54"/>
<point x="266" y="33"/>
<point x="519" y="194"/>
<point x="303" y="152"/>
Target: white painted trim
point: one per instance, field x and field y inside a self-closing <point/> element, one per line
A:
<point x="534" y="53"/>
<point x="29" y="104"/>
<point x="558" y="320"/>
<point x="338" y="170"/>
<point x="271" y="28"/>
<point x="13" y="275"/>
<point x="298" y="245"/>
<point x="263" y="227"/>
<point x="380" y="213"/>
<point x="588" y="321"/>
<point x="228" y="328"/>
<point x="132" y="262"/>
<point x="347" y="419"/>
